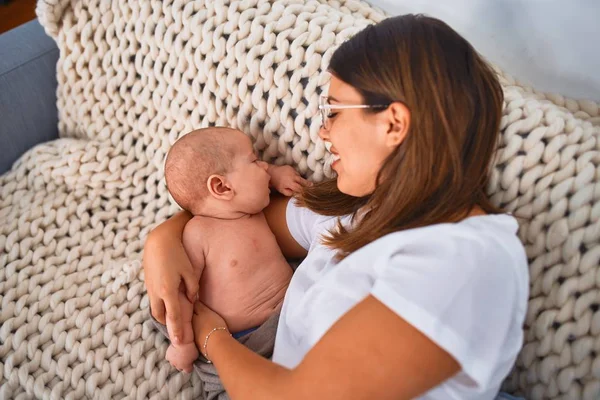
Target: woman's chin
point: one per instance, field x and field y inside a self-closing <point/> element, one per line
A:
<point x="344" y="184"/>
<point x="342" y="187"/>
<point x="351" y="190"/>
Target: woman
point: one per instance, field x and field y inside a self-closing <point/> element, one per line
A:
<point x="419" y="289"/>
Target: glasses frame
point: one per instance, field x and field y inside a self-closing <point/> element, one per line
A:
<point x="324" y="106"/>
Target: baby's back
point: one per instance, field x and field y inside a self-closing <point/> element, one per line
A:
<point x="245" y="275"/>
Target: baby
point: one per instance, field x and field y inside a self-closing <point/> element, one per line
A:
<point x="214" y="174"/>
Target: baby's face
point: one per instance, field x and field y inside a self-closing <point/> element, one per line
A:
<point x="249" y="177"/>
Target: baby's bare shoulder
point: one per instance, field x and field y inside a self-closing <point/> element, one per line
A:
<point x="195" y="229"/>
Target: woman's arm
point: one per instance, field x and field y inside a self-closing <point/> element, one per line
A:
<point x="370" y="353"/>
<point x="166" y="267"/>
<point x="275" y="215"/>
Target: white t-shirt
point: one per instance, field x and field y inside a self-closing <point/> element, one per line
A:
<point x="464" y="285"/>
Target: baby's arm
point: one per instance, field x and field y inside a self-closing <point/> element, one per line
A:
<point x="182" y="356"/>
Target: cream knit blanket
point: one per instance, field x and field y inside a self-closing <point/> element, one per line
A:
<point x="134" y="75"/>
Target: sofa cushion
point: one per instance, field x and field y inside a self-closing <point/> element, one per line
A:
<point x="27" y="91"/>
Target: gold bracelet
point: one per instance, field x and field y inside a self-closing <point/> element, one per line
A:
<point x="221" y="328"/>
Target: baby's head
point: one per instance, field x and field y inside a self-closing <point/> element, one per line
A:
<point x="215" y="171"/>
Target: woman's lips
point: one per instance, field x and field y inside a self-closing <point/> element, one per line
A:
<point x="335" y="157"/>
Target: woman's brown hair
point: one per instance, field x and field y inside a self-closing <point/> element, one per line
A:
<point x="440" y="171"/>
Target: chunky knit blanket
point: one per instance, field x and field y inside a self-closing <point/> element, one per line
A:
<point x="133" y="76"/>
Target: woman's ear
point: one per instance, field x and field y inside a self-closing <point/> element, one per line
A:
<point x="399" y="122"/>
<point x="219" y="187"/>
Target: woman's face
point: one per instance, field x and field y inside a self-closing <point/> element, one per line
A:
<point x="362" y="139"/>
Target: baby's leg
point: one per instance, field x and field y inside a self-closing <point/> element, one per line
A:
<point x="182" y="356"/>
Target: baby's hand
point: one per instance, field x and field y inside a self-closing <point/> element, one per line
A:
<point x="286" y="180"/>
<point x="182" y="357"/>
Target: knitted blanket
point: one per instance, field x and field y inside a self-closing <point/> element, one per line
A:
<point x="133" y="76"/>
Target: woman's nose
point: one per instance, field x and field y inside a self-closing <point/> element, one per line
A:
<point x="263" y="165"/>
<point x="323" y="133"/>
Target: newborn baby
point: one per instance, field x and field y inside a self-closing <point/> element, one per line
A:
<point x="214" y="174"/>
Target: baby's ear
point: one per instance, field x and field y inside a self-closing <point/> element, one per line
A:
<point x="219" y="187"/>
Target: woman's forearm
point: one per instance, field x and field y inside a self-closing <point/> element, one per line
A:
<point x="267" y="379"/>
<point x="166" y="266"/>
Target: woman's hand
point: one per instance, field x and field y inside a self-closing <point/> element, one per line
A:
<point x="286" y="180"/>
<point x="166" y="268"/>
<point x="205" y="320"/>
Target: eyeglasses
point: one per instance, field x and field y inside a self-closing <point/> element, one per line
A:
<point x="325" y="107"/>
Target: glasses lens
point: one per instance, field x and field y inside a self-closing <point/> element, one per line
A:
<point x="324" y="112"/>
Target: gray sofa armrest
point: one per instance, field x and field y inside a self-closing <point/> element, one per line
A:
<point x="28" y="114"/>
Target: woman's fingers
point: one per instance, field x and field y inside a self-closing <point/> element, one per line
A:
<point x="198" y="307"/>
<point x="158" y="310"/>
<point x="192" y="285"/>
<point x="174" y="324"/>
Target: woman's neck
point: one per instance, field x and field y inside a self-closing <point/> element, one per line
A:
<point x="475" y="211"/>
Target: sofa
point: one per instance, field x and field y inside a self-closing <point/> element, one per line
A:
<point x="93" y="93"/>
